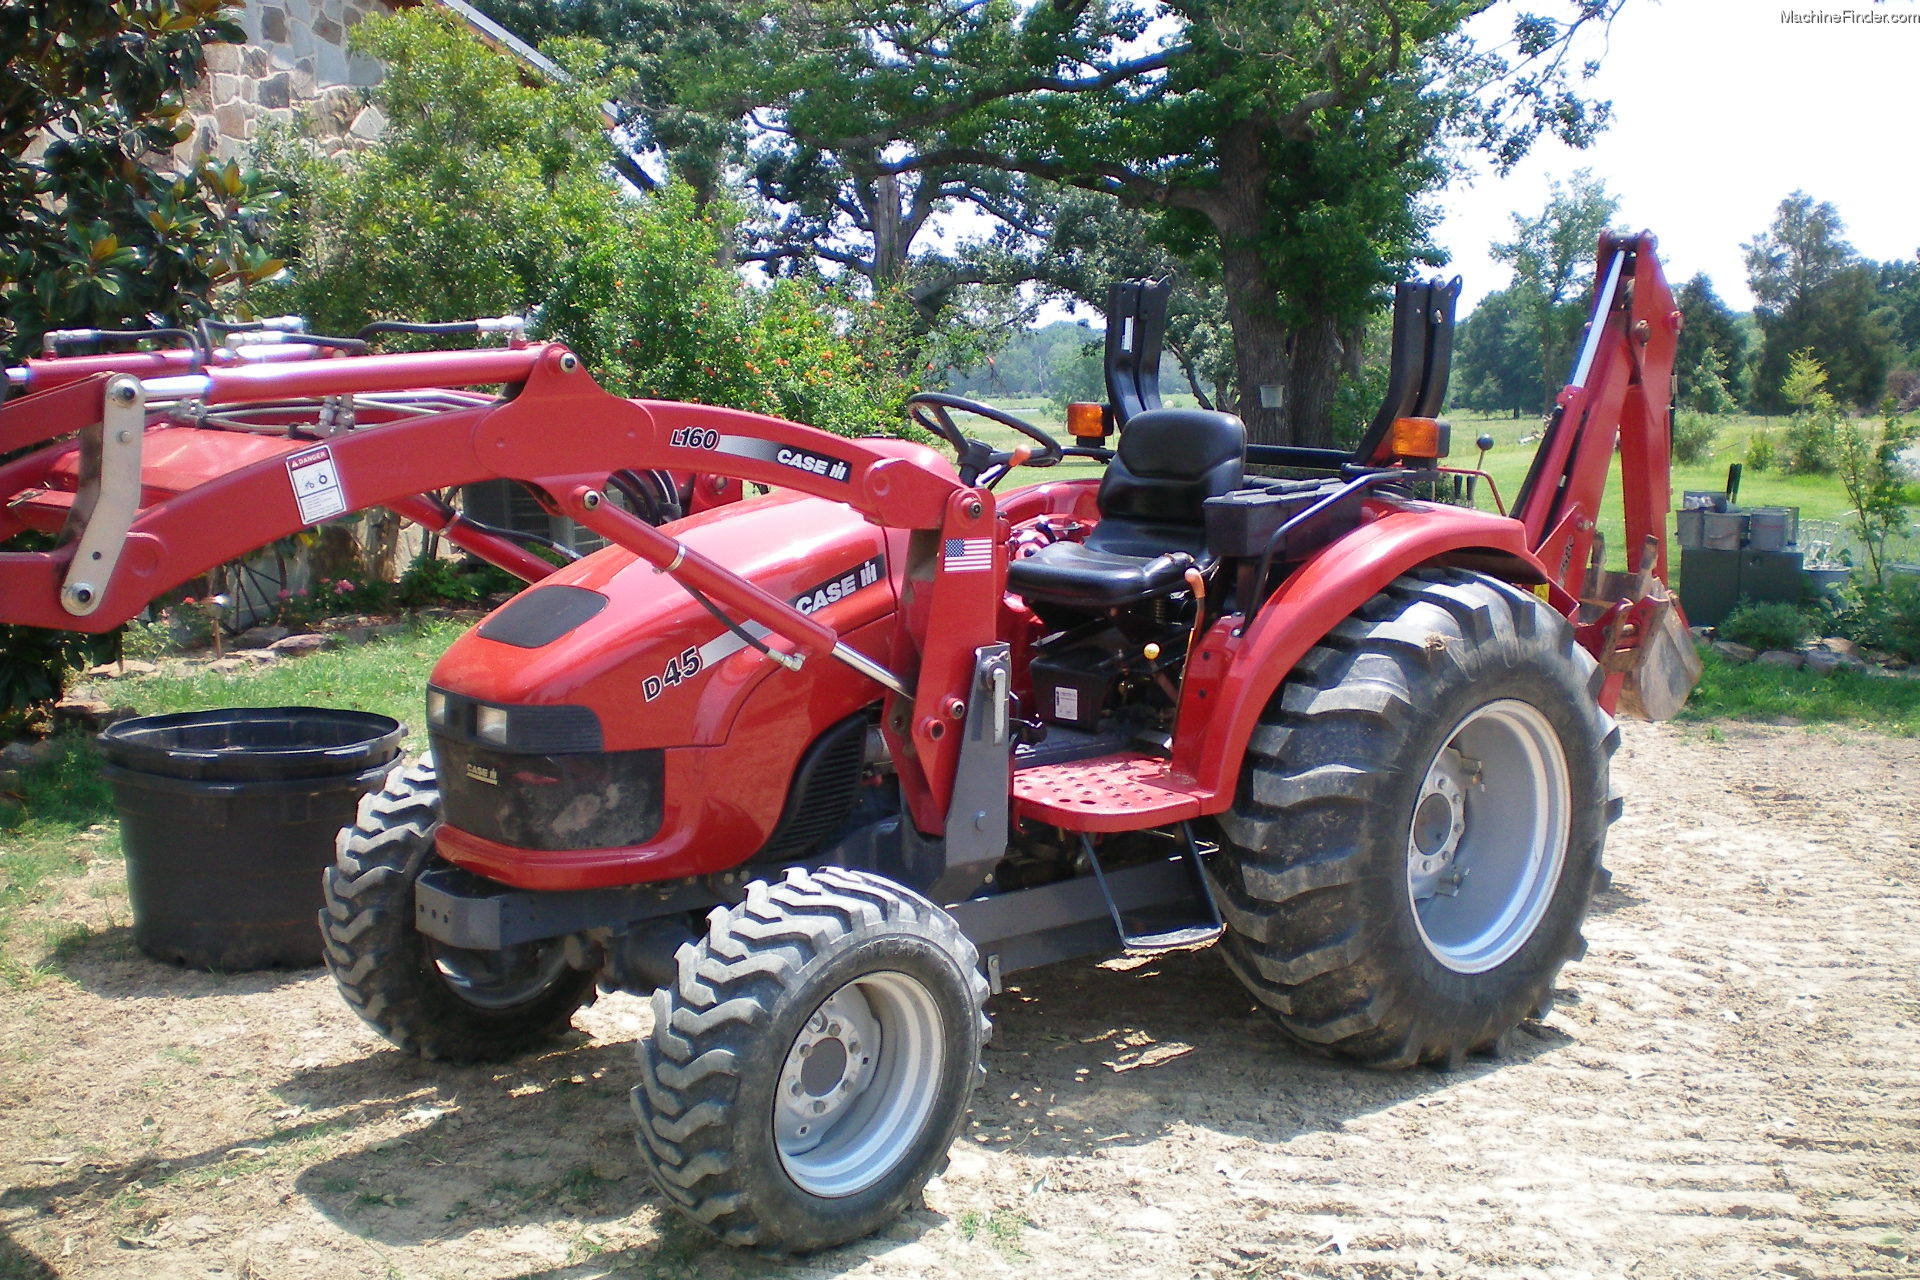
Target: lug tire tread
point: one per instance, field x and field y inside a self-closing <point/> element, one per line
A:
<point x="378" y="959"/>
<point x="1300" y="842"/>
<point x="716" y="1015"/>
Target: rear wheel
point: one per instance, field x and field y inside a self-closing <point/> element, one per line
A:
<point x="812" y="1063"/>
<point x="436" y="1001"/>
<point x="1419" y="825"/>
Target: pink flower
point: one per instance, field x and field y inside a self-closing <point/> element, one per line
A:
<point x="286" y="595"/>
<point x="341" y="587"/>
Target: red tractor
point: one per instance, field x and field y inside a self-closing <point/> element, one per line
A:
<point x="820" y="768"/>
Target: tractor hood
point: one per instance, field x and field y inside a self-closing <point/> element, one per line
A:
<point x="610" y="638"/>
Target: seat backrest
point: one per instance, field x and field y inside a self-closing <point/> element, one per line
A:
<point x="1170" y="461"/>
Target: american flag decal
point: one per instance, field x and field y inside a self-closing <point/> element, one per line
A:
<point x="967" y="555"/>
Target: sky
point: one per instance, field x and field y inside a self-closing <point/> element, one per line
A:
<point x="1721" y="110"/>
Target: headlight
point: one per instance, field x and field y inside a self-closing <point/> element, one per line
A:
<point x="436" y="707"/>
<point x="490" y="725"/>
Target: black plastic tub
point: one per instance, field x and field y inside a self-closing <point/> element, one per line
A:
<point x="228" y="819"/>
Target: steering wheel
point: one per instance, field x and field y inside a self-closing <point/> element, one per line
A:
<point x="979" y="462"/>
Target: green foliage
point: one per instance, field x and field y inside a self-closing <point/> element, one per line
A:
<point x="1812" y="440"/>
<point x="652" y="313"/>
<point x="479" y="183"/>
<point x="102" y="227"/>
<point x="1286" y="147"/>
<point x="433" y="579"/>
<point x="1754" y="692"/>
<point x="1713" y="360"/>
<point x="1869" y="461"/>
<point x="1694" y="436"/>
<point x="1552" y="256"/>
<point x="35" y="664"/>
<point x="1888" y="618"/>
<point x="1762" y="452"/>
<point x="487" y="194"/>
<point x="1772" y="624"/>
<point x="1814" y="294"/>
<point x="1496" y="359"/>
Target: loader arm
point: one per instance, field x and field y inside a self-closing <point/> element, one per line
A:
<point x="135" y="528"/>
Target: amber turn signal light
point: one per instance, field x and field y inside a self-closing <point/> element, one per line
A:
<point x="1087" y="421"/>
<point x="1418" y="438"/>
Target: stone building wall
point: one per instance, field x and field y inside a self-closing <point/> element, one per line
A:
<point x="295" y="57"/>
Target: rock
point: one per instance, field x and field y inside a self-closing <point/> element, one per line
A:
<point x="131" y="667"/>
<point x="1837" y="644"/>
<point x="227" y="664"/>
<point x="25" y="755"/>
<point x="1895" y="662"/>
<point x="293" y="646"/>
<point x="1821" y="662"/>
<point x="1702" y="634"/>
<point x="1780" y="658"/>
<point x="387" y="630"/>
<point x="1854" y="662"/>
<point x="1736" y="653"/>
<point x="258" y="657"/>
<point x="259" y="637"/>
<point x="88" y="714"/>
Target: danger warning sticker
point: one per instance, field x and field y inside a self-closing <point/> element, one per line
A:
<point x="316" y="485"/>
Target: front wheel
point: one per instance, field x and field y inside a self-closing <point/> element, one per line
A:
<point x="438" y="1002"/>
<point x="1419" y="825"/>
<point x="812" y="1063"/>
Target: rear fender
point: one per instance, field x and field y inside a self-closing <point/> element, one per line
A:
<point x="1232" y="677"/>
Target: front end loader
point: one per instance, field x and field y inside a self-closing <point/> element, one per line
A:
<point x="820" y="768"/>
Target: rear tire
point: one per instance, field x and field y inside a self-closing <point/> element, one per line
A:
<point x="1419" y="825"/>
<point x="811" y="1065"/>
<point x="437" y="1002"/>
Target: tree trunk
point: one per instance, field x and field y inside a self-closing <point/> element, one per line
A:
<point x="1319" y="357"/>
<point x="1259" y="346"/>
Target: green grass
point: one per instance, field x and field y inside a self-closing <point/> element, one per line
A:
<point x="1754" y="692"/>
<point x="383" y="676"/>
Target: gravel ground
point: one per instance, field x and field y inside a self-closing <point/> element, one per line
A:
<point x="1728" y="1087"/>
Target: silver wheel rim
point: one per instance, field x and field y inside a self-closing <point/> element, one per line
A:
<point x="859" y="1084"/>
<point x="1488" y="836"/>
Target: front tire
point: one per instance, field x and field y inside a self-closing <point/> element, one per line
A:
<point x="1420" y="824"/>
<point x="437" y="1002"/>
<point x="811" y="1065"/>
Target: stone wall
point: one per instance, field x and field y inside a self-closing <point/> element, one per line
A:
<point x="295" y="57"/>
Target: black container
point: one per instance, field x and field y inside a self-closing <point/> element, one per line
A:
<point x="228" y="819"/>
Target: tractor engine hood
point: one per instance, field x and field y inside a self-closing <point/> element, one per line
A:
<point x="609" y="655"/>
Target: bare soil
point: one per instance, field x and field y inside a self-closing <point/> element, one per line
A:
<point x="1728" y="1087"/>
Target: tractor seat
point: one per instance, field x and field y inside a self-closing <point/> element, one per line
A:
<point x="1152" y="515"/>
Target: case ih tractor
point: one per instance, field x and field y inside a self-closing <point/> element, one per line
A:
<point x="821" y="768"/>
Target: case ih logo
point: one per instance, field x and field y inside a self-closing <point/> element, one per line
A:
<point x="863" y="575"/>
<point x="824" y="465"/>
<point x="818" y="464"/>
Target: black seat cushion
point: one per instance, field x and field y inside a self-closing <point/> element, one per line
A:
<point x="1152" y="515"/>
<point x="1169" y="461"/>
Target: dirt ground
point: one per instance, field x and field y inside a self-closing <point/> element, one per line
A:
<point x="1729" y="1087"/>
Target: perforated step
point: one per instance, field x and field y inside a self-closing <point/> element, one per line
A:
<point x="1123" y="792"/>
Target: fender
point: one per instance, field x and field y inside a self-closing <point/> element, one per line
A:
<point x="1233" y="676"/>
